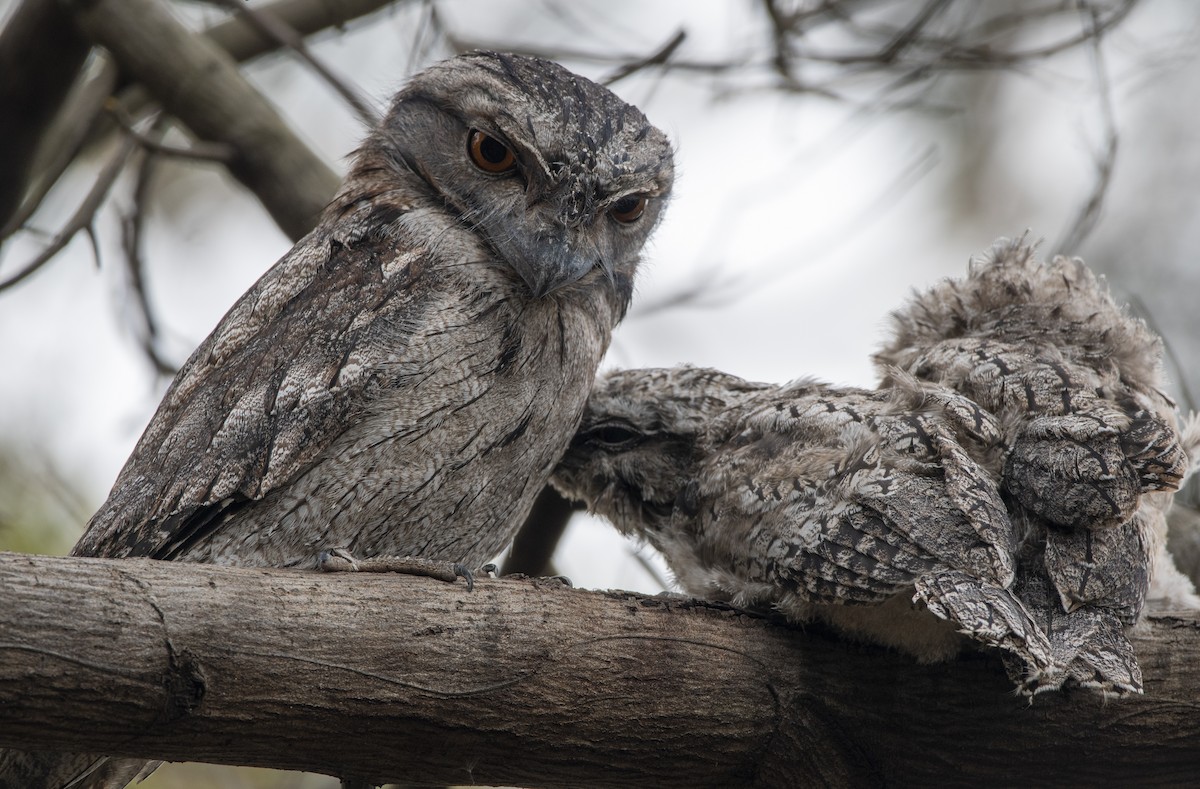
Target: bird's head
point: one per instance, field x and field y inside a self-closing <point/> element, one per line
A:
<point x="557" y="174"/>
<point x="641" y="442"/>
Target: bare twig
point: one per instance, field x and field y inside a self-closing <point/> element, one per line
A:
<point x="708" y="287"/>
<point x="658" y="57"/>
<point x="1181" y="371"/>
<point x="533" y="548"/>
<point x="429" y="31"/>
<point x="650" y="569"/>
<point x="969" y="48"/>
<point x="244" y="41"/>
<point x="911" y="32"/>
<point x="83" y="217"/>
<point x="1089" y="213"/>
<point x="916" y="48"/>
<point x="78" y="120"/>
<point x="982" y="56"/>
<point x="132" y="226"/>
<point x="278" y="30"/>
<point x="198" y="150"/>
<point x="64" y="138"/>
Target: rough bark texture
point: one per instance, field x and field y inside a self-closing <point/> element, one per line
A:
<point x="532" y="684"/>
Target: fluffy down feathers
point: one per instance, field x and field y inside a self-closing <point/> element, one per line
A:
<point x="1095" y="448"/>
<point x="1011" y="473"/>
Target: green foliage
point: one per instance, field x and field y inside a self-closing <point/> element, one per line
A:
<point x="40" y="511"/>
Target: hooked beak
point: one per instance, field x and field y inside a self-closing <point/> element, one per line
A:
<point x="553" y="265"/>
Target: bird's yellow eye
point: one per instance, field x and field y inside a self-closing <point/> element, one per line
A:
<point x="489" y="154"/>
<point x="628" y="209"/>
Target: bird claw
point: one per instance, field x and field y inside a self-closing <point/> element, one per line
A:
<point x="337" y="560"/>
<point x="462" y="571"/>
<point x="341" y="560"/>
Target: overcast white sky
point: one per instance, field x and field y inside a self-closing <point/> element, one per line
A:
<point x="810" y="219"/>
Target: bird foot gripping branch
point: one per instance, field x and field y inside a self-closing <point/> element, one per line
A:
<point x="341" y="560"/>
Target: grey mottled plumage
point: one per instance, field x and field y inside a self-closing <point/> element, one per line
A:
<point x="405" y="378"/>
<point x="806" y="497"/>
<point x="1094" y="444"/>
<point x="1011" y="474"/>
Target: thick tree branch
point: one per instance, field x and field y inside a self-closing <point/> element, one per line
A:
<point x="532" y="684"/>
<point x="199" y="83"/>
<point x="243" y="41"/>
<point x="76" y="123"/>
<point x="40" y="54"/>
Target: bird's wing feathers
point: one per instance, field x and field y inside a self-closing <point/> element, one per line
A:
<point x="1088" y="642"/>
<point x="1109" y="568"/>
<point x="286" y="369"/>
<point x="844" y="501"/>
<point x="993" y="616"/>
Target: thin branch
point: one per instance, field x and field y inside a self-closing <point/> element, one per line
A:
<point x="83" y="217"/>
<point x="707" y="288"/>
<point x="132" y="227"/>
<point x="245" y="41"/>
<point x="78" y="120"/>
<point x="278" y="30"/>
<point x="911" y="33"/>
<point x="1100" y="28"/>
<point x="1089" y="213"/>
<point x="460" y="44"/>
<point x="429" y="29"/>
<point x="64" y="138"/>
<point x="533" y="548"/>
<point x="650" y="569"/>
<point x="908" y="47"/>
<point x="658" y="57"/>
<point x="1142" y="310"/>
<point x="958" y="51"/>
<point x="198" y="150"/>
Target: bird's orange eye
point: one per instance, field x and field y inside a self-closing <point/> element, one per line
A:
<point x="628" y="209"/>
<point x="489" y="154"/>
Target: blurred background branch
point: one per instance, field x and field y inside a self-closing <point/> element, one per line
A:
<point x="199" y="83"/>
